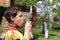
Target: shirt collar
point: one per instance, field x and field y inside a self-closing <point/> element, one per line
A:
<point x="12" y="27"/>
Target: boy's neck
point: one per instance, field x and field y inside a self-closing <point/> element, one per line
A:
<point x="13" y="26"/>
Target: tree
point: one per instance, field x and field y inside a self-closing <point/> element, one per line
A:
<point x="48" y="18"/>
<point x="27" y="3"/>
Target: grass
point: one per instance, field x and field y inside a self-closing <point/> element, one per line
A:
<point x="54" y="34"/>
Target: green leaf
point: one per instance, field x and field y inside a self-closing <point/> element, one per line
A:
<point x="25" y="2"/>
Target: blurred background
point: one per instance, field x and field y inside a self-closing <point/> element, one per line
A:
<point x="44" y="13"/>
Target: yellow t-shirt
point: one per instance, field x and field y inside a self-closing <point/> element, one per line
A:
<point x="14" y="36"/>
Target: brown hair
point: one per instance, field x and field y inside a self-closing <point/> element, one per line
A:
<point x="11" y="11"/>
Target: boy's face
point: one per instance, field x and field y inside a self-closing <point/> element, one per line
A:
<point x="18" y="20"/>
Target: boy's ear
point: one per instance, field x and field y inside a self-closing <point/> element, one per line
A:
<point x="12" y="18"/>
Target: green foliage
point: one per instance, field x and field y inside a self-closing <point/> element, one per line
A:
<point x="47" y="3"/>
<point x="36" y="33"/>
<point x="53" y="2"/>
<point x="2" y="30"/>
<point x="59" y="0"/>
<point x="58" y="12"/>
<point x="25" y="2"/>
<point x="53" y="33"/>
<point x="21" y="29"/>
<point x="39" y="22"/>
<point x="55" y="24"/>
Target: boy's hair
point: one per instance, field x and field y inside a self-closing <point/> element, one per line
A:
<point x="11" y="11"/>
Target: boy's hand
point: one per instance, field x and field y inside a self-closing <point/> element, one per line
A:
<point x="28" y="26"/>
<point x="27" y="30"/>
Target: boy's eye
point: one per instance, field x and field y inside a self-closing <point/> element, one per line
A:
<point x="20" y="15"/>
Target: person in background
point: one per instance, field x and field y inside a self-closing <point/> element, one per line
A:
<point x="15" y="18"/>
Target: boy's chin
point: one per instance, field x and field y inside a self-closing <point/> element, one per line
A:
<point x="19" y="25"/>
<point x="23" y="24"/>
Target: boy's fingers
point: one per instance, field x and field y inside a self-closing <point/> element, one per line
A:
<point x="28" y="22"/>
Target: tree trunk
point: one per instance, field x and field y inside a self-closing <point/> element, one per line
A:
<point x="34" y="14"/>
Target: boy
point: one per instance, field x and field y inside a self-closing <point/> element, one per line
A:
<point x="15" y="18"/>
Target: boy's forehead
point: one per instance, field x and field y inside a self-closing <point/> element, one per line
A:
<point x="20" y="13"/>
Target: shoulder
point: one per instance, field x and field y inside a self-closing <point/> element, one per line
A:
<point x="8" y="33"/>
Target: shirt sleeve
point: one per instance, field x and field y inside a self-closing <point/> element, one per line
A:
<point x="8" y="36"/>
